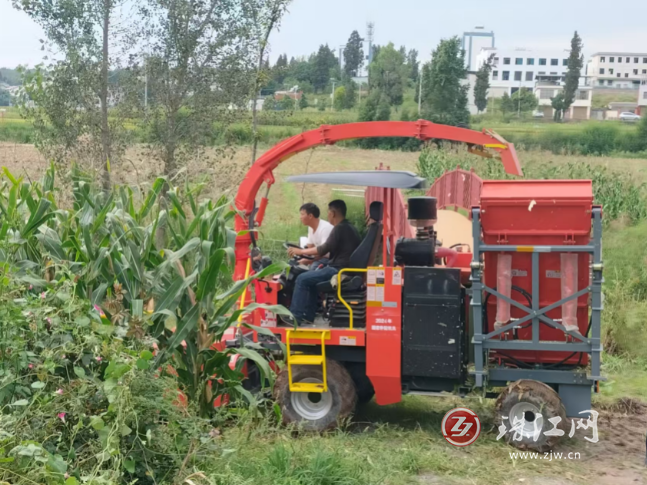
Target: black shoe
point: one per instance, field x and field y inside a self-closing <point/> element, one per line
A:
<point x="288" y="321"/>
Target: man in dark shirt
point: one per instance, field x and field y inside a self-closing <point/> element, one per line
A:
<point x="341" y="243"/>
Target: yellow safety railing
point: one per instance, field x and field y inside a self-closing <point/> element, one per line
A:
<point x="350" y="310"/>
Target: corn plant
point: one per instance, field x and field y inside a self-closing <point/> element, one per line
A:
<point x="106" y="245"/>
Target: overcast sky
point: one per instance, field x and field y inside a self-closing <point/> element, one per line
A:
<point x="419" y="24"/>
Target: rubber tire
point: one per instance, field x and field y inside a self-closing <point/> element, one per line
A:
<point x="363" y="385"/>
<point x="543" y="397"/>
<point x="340" y="385"/>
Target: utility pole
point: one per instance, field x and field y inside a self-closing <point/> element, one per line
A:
<point x="421" y="74"/>
<point x="332" y="95"/>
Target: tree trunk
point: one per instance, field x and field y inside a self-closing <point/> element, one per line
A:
<point x="103" y="98"/>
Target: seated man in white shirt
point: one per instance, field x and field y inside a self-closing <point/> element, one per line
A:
<point x="318" y="231"/>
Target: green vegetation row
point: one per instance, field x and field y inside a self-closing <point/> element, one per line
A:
<point x="110" y="302"/>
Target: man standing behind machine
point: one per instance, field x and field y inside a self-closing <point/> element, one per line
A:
<point x="341" y="243"/>
<point x="318" y="231"/>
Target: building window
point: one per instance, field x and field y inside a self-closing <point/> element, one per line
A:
<point x="626" y="74"/>
<point x="635" y="60"/>
<point x="619" y="59"/>
<point x="553" y="74"/>
<point x="541" y="73"/>
<point x="603" y="59"/>
<point x="644" y="71"/>
<point x="635" y="72"/>
<point x="506" y="60"/>
<point x="518" y="61"/>
<point x="517" y="75"/>
<point x="645" y="95"/>
<point x="496" y="60"/>
<point x="554" y="62"/>
<point x="529" y="76"/>
<point x="628" y="59"/>
<point x="644" y="60"/>
<point x="601" y="82"/>
<point x="546" y="93"/>
<point x="610" y="83"/>
<point x="564" y="62"/>
<point x="612" y="59"/>
<point x="601" y="70"/>
<point x="506" y="75"/>
<point x="618" y="75"/>
<point x="582" y="95"/>
<point x="610" y="71"/>
<point x="495" y="75"/>
<point x="542" y="62"/>
<point x="530" y="61"/>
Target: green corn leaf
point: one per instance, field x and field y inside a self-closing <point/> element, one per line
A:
<point x="184" y="327"/>
<point x="262" y="364"/>
<point x="151" y="197"/>
<point x="176" y="203"/>
<point x="209" y="277"/>
<point x="101" y="216"/>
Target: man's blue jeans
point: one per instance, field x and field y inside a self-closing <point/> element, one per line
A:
<point x="304" y="298"/>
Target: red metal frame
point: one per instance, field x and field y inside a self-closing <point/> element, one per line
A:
<point x="261" y="170"/>
<point x="383" y="355"/>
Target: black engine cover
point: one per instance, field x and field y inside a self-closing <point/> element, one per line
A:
<point x="433" y="324"/>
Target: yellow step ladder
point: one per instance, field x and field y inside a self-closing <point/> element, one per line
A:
<point x="307" y="359"/>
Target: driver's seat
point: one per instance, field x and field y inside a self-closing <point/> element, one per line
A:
<point x="353" y="289"/>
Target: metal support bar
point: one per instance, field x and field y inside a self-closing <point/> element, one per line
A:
<point x="489" y="248"/>
<point x="484" y="343"/>
<point x="532" y="313"/>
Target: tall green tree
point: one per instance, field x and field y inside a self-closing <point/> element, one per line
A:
<point x="72" y="94"/>
<point x="264" y="15"/>
<point x="5" y="97"/>
<point x="444" y="95"/>
<point x="388" y="74"/>
<point x="414" y="65"/>
<point x="575" y="64"/>
<point x="524" y="101"/>
<point x="198" y="46"/>
<point x="559" y="105"/>
<point x="325" y="64"/>
<point x="482" y="84"/>
<point x="353" y="55"/>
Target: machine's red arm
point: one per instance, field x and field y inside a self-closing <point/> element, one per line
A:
<point x="330" y="134"/>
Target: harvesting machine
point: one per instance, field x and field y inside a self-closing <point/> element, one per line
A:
<point x="512" y="313"/>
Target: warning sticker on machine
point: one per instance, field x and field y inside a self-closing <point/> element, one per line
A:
<point x="370" y="277"/>
<point x="553" y="274"/>
<point x="347" y="340"/>
<point x="397" y="277"/>
<point x="519" y="272"/>
<point x="380" y="277"/>
<point x="370" y="293"/>
<point x="269" y="320"/>
<point x="379" y="293"/>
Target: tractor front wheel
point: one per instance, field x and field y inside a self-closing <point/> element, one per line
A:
<point x="529" y="409"/>
<point x="316" y="411"/>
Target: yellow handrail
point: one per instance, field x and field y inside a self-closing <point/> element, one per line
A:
<point x="350" y="310"/>
<point x="244" y="295"/>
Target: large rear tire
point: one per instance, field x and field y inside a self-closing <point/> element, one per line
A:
<point x="312" y="410"/>
<point x="525" y="408"/>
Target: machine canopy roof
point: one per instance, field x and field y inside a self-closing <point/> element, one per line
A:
<point x="389" y="179"/>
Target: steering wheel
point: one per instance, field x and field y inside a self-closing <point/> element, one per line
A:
<point x="287" y="245"/>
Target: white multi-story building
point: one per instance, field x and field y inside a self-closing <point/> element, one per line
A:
<point x="513" y="69"/>
<point x="473" y="42"/>
<point x="642" y="98"/>
<point x="617" y="69"/>
<point x="547" y="87"/>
